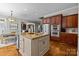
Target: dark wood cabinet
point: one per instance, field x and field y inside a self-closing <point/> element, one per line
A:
<point x="64" y="22"/>
<point x="53" y="20"/>
<point x="72" y="39"/>
<point x="46" y="21"/>
<point x="70" y="21"/>
<point x="63" y="37"/>
<point x="53" y="38"/>
<point x="69" y="38"/>
<point x="75" y="21"/>
<point x="56" y="19"/>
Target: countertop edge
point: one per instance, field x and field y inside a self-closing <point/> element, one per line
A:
<point x="36" y="37"/>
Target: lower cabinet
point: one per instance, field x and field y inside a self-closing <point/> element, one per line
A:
<point x="43" y="45"/>
<point x="54" y="38"/>
<point x="25" y="46"/>
<point x="34" y="47"/>
<point x="21" y="45"/>
<point x="63" y="37"/>
<point x="68" y="38"/>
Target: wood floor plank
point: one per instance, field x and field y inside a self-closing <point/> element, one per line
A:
<point x="9" y="51"/>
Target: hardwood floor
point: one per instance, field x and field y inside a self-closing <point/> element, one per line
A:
<point x="56" y="49"/>
<point x="61" y="49"/>
<point x="9" y="51"/>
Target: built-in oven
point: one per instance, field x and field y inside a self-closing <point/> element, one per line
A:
<point x="56" y="34"/>
<point x="55" y="30"/>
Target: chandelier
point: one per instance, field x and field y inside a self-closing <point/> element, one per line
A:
<point x="11" y="18"/>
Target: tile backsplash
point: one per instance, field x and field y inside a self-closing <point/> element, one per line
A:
<point x="72" y="30"/>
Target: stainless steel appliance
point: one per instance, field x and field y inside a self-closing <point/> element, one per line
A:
<point x="55" y="30"/>
<point x="46" y="28"/>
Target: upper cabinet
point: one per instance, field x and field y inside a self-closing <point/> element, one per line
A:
<point x="56" y="19"/>
<point x="70" y="21"/>
<point x="53" y="20"/>
<point x="46" y="21"/>
<point x="75" y="20"/>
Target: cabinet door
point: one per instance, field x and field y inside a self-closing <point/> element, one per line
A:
<point x="53" y="20"/>
<point x="21" y="45"/>
<point x="63" y="37"/>
<point x="58" y="20"/>
<point x="54" y="38"/>
<point x="64" y="22"/>
<point x="27" y="47"/>
<point x="69" y="21"/>
<point x="43" y="45"/>
<point x="75" y="21"/>
<point x="69" y="38"/>
<point x="48" y="20"/>
<point x="72" y="39"/>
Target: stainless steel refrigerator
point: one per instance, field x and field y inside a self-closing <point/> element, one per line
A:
<point x="46" y="28"/>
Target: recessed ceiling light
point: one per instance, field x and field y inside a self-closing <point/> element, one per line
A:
<point x="36" y="14"/>
<point x="25" y="9"/>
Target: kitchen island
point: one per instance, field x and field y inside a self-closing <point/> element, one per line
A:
<point x="33" y="44"/>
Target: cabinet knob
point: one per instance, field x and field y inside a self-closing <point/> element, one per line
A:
<point x="43" y="42"/>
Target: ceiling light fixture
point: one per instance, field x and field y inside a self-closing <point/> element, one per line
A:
<point x="11" y="17"/>
<point x="25" y="9"/>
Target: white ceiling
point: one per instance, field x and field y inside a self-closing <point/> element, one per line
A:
<point x="32" y="11"/>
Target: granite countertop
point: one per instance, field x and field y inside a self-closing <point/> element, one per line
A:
<point x="69" y="33"/>
<point x="33" y="35"/>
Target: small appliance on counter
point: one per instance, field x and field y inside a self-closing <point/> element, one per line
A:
<point x="63" y="30"/>
<point x="72" y="30"/>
